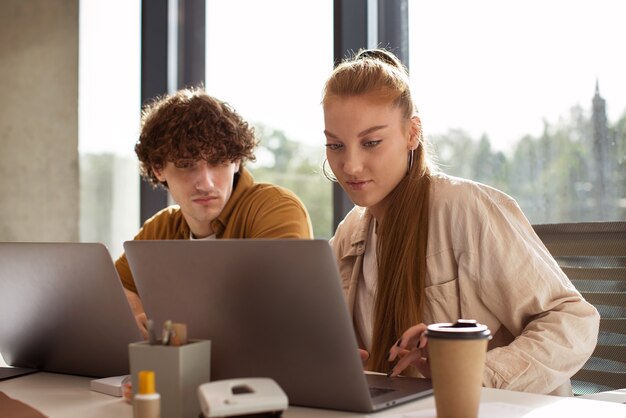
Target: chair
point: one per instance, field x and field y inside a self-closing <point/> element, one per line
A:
<point x="593" y="255"/>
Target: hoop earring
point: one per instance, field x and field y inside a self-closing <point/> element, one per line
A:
<point x="408" y="171"/>
<point x="328" y="173"/>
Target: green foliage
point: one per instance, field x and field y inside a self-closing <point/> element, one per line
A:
<point x="551" y="176"/>
<point x="296" y="167"/>
<point x="619" y="133"/>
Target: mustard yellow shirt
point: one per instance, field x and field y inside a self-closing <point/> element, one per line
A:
<point x="254" y="210"/>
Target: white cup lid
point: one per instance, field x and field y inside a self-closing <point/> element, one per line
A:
<point x="463" y="329"/>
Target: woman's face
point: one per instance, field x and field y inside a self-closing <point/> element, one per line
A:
<point x="367" y="147"/>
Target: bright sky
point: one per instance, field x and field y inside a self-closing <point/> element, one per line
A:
<point x="501" y="67"/>
<point x="270" y="60"/>
<point x="109" y="58"/>
<point x="485" y="66"/>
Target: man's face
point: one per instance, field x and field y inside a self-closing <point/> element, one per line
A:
<point x="201" y="189"/>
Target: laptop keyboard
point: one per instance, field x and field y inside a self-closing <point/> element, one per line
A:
<point x="374" y="391"/>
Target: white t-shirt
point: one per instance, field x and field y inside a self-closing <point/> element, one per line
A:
<point x="191" y="237"/>
<point x="366" y="291"/>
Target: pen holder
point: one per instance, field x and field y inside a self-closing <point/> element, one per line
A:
<point x="179" y="370"/>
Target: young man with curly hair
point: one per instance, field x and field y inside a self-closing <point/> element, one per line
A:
<point x="195" y="146"/>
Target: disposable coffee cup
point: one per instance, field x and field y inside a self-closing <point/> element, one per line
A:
<point x="456" y="353"/>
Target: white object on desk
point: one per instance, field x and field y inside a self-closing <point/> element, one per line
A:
<point x="108" y="385"/>
<point x="224" y="398"/>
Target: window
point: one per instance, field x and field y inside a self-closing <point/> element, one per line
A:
<point x="269" y="60"/>
<point x="528" y="98"/>
<point x="109" y="112"/>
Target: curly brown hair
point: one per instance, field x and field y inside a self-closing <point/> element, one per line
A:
<point x="190" y="124"/>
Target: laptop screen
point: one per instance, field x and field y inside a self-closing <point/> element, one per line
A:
<point x="271" y="308"/>
<point x="63" y="309"/>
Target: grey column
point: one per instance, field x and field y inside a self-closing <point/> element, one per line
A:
<point x="39" y="176"/>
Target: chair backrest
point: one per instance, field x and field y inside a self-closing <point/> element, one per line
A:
<point x="593" y="255"/>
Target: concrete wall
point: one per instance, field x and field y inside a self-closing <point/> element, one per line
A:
<point x="39" y="184"/>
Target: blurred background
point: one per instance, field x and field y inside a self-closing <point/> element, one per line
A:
<point x="529" y="98"/>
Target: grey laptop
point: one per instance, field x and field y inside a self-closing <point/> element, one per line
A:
<point x="62" y="309"/>
<point x="271" y="308"/>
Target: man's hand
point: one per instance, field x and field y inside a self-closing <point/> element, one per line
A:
<point x="142" y="321"/>
<point x="411" y="349"/>
<point x="364" y="356"/>
<point x="140" y="316"/>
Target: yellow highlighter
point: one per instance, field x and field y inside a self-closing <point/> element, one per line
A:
<point x="147" y="402"/>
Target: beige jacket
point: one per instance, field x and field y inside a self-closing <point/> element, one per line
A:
<point x="485" y="262"/>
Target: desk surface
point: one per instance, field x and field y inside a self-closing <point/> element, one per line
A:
<point x="58" y="395"/>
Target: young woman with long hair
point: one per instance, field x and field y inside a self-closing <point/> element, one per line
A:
<point x="422" y="247"/>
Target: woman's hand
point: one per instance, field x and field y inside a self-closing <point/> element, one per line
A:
<point x="411" y="349"/>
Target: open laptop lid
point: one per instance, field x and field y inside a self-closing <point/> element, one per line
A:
<point x="272" y="308"/>
<point x="63" y="309"/>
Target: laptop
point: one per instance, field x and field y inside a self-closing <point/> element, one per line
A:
<point x="63" y="309"/>
<point x="271" y="308"/>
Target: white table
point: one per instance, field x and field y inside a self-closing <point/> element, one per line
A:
<point x="617" y="395"/>
<point x="65" y="396"/>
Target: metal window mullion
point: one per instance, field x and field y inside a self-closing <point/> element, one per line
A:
<point x="154" y="26"/>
